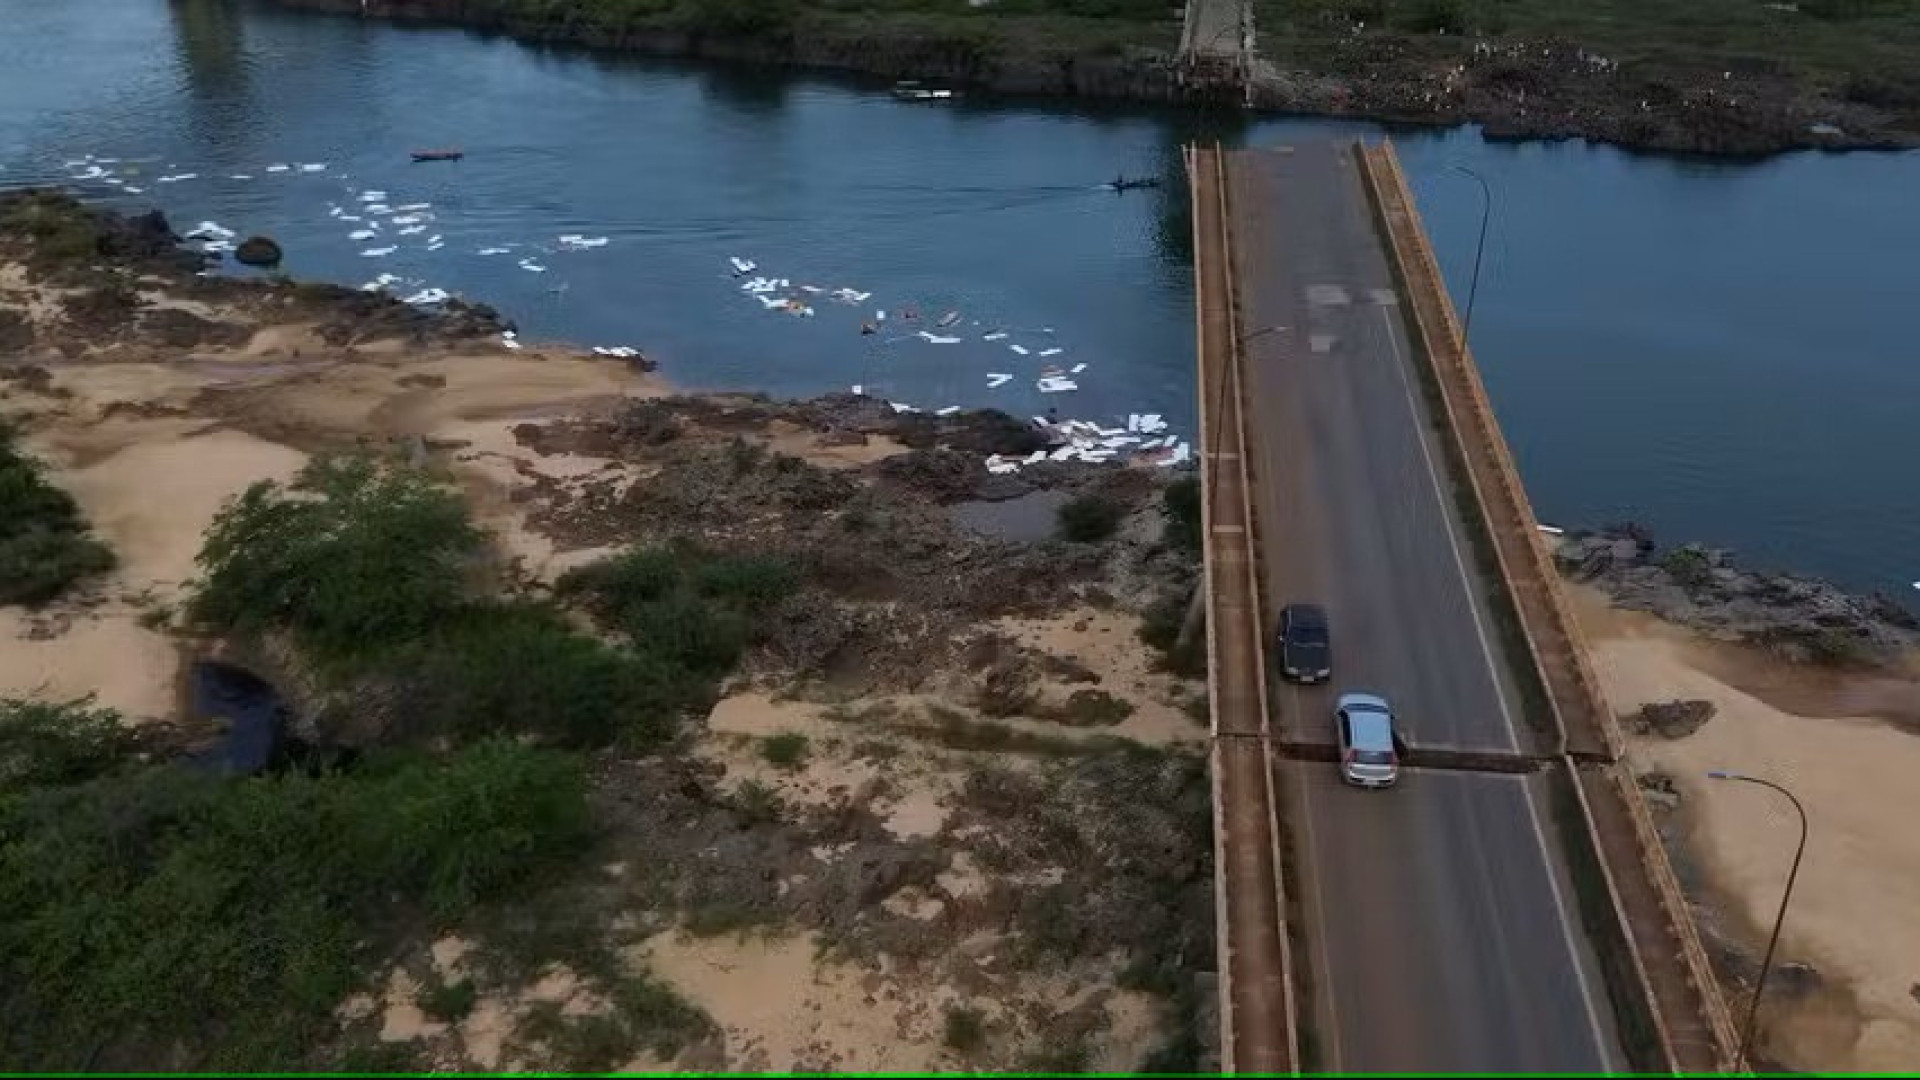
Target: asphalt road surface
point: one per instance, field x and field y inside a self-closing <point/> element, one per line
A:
<point x="1441" y="930"/>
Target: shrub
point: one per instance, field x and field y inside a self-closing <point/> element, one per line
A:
<point x="966" y="1029"/>
<point x="355" y="558"/>
<point x="787" y="750"/>
<point x="1090" y="518"/>
<point x="45" y="545"/>
<point x="43" y="743"/>
<point x="448" y="1002"/>
<point x="1180" y="508"/>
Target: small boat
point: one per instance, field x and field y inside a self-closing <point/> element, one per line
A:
<point x="948" y="319"/>
<point x="911" y="90"/>
<point x="1124" y="184"/>
<point x="438" y="155"/>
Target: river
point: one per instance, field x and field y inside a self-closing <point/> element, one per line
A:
<point x="1715" y="349"/>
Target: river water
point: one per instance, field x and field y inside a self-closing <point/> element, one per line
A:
<point x="1718" y="350"/>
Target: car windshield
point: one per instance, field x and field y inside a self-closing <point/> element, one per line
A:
<point x="1372" y="757"/>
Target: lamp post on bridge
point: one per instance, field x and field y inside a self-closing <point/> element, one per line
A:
<point x="1486" y="215"/>
<point x="1786" y="895"/>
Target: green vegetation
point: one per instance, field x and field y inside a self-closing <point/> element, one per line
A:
<point x="161" y="912"/>
<point x="787" y="750"/>
<point x="1091" y="517"/>
<point x="1092" y="708"/>
<point x="448" y="1002"/>
<point x="61" y="231"/>
<point x="44" y="744"/>
<point x="45" y="545"/>
<point x="645" y="1016"/>
<point x="966" y="1029"/>
<point x="1180" y="509"/>
<point x="1862" y="50"/>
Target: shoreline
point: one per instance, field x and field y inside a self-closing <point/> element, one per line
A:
<point x="1385" y="79"/>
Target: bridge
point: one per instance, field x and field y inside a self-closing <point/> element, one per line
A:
<point x="1508" y="906"/>
<point x="1216" y="48"/>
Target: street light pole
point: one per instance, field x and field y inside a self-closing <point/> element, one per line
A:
<point x="1486" y="214"/>
<point x="1786" y="895"/>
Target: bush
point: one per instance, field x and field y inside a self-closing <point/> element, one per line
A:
<point x="1180" y="508"/>
<point x="448" y="1002"/>
<point x="43" y="744"/>
<point x="966" y="1029"/>
<point x="787" y="750"/>
<point x="176" y="916"/>
<point x="353" y="559"/>
<point x="45" y="545"/>
<point x="1090" y="518"/>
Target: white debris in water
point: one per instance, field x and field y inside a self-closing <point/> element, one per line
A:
<point x="208" y="230"/>
<point x="1076" y="369"/>
<point x="1052" y="352"/>
<point x="412" y="206"/>
<point x="131" y="190"/>
<point x="859" y="390"/>
<point x="318" y="166"/>
<point x="743" y="267"/>
<point x="356" y="217"/>
<point x="1056" y="385"/>
<point x="996" y="380"/>
<point x="938" y="339"/>
<point x="379" y="208"/>
<point x="948" y="411"/>
<point x="374" y="253"/>
<point x="997" y="335"/>
<point x="407" y="219"/>
<point x="1021" y="349"/>
<point x="849" y="296"/>
<point x="428" y="297"/>
<point x="619" y="351"/>
<point x="494" y="250"/>
<point x="413" y="230"/>
<point x="373" y="196"/>
<point x="434" y="245"/>
<point x="363" y="234"/>
<point x="532" y="267"/>
<point x="380" y="283"/>
<point x="902" y="407"/>
<point x="276" y="168"/>
<point x="217" y="247"/>
<point x="176" y="178"/>
<point x="576" y="242"/>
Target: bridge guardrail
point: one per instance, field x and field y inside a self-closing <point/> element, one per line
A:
<point x="1686" y="1010"/>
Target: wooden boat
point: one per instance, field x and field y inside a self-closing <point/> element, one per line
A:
<point x="911" y="90"/>
<point x="438" y="155"/>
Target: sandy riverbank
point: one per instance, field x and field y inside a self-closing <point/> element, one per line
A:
<point x="1848" y="746"/>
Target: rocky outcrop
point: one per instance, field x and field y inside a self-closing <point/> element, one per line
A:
<point x="258" y="251"/>
<point x="1673" y="719"/>
<point x="1804" y="619"/>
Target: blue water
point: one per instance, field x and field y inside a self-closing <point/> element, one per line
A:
<point x="1716" y="350"/>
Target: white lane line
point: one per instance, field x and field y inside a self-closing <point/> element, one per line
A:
<point x="1446" y="520"/>
<point x="1506" y="712"/>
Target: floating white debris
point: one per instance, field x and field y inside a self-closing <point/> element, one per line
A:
<point x="373" y="196"/>
<point x="772" y="303"/>
<point x="434" y="245"/>
<point x="413" y="230"/>
<point x="532" y="267"/>
<point x="995" y="380"/>
<point x="176" y="178"/>
<point x="938" y="339"/>
<point x="241" y="176"/>
<point x="412" y="207"/>
<point x="849" y="296"/>
<point x="1056" y="385"/>
<point x="948" y="411"/>
<point x="428" y="297"/>
<point x="130" y="189"/>
<point x="380" y="282"/>
<point x="208" y="230"/>
<point x="1550" y="530"/>
<point x="1076" y="369"/>
<point x="363" y="234"/>
<point x="408" y="219"/>
<point x="318" y="166"/>
<point x="509" y="334"/>
<point x="434" y="239"/>
<point x="356" y="217"/>
<point x="859" y="389"/>
<point x="1021" y="349"/>
<point x="621" y="351"/>
<point x="217" y="247"/>
<point x="510" y="343"/>
<point x="494" y="250"/>
<point x="742" y="267"/>
<point x="879" y="316"/>
<point x="379" y="208"/>
<point x="374" y="253"/>
<point x="997" y="335"/>
<point x="277" y="168"/>
<point x="1052" y="352"/>
<point x="902" y="407"/>
<point x="576" y="242"/>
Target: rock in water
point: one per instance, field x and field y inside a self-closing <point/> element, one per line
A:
<point x="258" y="251"/>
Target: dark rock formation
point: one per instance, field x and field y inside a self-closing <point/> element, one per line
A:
<point x="1674" y="719"/>
<point x="258" y="251"/>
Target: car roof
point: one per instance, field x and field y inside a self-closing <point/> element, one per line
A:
<point x="1372" y="730"/>
<point x="1307" y="614"/>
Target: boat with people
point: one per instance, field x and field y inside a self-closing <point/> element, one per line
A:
<point x="438" y="155"/>
<point x="914" y="90"/>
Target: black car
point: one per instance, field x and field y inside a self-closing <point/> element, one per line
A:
<point x="1306" y="653"/>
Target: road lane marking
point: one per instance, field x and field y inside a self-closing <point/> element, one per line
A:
<point x="1446" y="520"/>
<point x="1499" y="690"/>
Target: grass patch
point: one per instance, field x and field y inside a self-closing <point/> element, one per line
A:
<point x="1091" y="517"/>
<point x="46" y="547"/>
<point x="448" y="1002"/>
<point x="964" y="1030"/>
<point x="787" y="750"/>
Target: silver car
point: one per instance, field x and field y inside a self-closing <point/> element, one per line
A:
<point x="1364" y="725"/>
